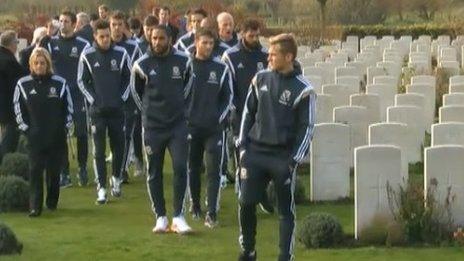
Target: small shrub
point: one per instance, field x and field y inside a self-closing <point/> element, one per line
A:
<point x="458" y="237"/>
<point x="15" y="164"/>
<point x="375" y="233"/>
<point x="8" y="241"/>
<point x="320" y="230"/>
<point x="14" y="194"/>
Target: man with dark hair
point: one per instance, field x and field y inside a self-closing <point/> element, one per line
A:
<point x="164" y="16"/>
<point x="104" y="80"/>
<point x="135" y="27"/>
<point x="133" y="140"/>
<point x="160" y="80"/>
<point x="149" y="23"/>
<point x="209" y="101"/>
<point x="187" y="40"/>
<point x="244" y="60"/>
<point x="65" y="50"/>
<point x="276" y="130"/>
<point x="219" y="47"/>
<point x="10" y="72"/>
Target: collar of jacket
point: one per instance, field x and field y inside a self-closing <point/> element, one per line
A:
<point x="243" y="46"/>
<point x="45" y="77"/>
<point x="152" y="54"/>
<point x="72" y="37"/>
<point x="95" y="45"/>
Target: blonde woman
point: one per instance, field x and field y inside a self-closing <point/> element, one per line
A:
<point x="43" y="108"/>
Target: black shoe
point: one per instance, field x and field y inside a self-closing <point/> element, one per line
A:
<point x="34" y="213"/>
<point x="195" y="211"/>
<point x="65" y="181"/>
<point x="266" y="205"/>
<point x="247" y="256"/>
<point x="83" y="178"/>
<point x="51" y="208"/>
<point x="125" y="178"/>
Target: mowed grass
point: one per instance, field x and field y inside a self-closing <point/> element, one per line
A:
<point x="121" y="230"/>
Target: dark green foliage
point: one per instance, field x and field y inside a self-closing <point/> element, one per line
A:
<point x="320" y="230"/>
<point x="14" y="194"/>
<point x="15" y="164"/>
<point x="9" y="244"/>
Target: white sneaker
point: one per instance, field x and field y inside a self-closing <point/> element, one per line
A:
<point x="223" y="181"/>
<point x="162" y="225"/>
<point x="109" y="158"/>
<point x="180" y="226"/>
<point x="115" y="186"/>
<point x="101" y="196"/>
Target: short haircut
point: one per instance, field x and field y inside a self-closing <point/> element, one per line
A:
<point x="118" y="15"/>
<point x="40" y="51"/>
<point x="199" y="11"/>
<point x="287" y="44"/>
<point x="165" y="8"/>
<point x="101" y="25"/>
<point x="224" y="15"/>
<point x="8" y="38"/>
<point x="204" y="32"/>
<point x="150" y="20"/>
<point x="39" y="33"/>
<point x="104" y="8"/>
<point x="250" y="24"/>
<point x="84" y="17"/>
<point x="162" y="28"/>
<point x="134" y="23"/>
<point x="94" y="17"/>
<point x="70" y="15"/>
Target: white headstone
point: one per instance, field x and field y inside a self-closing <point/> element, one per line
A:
<point x="376" y="167"/>
<point x="411" y="116"/>
<point x="316" y="82"/>
<point x="340" y="93"/>
<point x="396" y="134"/>
<point x="451" y="113"/>
<point x="448" y="133"/>
<point x="330" y="162"/>
<point x="453" y="99"/>
<point x="324" y="108"/>
<point x="424" y="79"/>
<point x="371" y="102"/>
<point x="413" y="99"/>
<point x="356" y="117"/>
<point x="458" y="88"/>
<point x="386" y="94"/>
<point x="374" y="71"/>
<point x="429" y="94"/>
<point x="444" y="166"/>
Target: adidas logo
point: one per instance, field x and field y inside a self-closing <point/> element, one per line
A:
<point x="287" y="182"/>
<point x="32" y="92"/>
<point x="152" y="72"/>
<point x="96" y="64"/>
<point x="219" y="143"/>
<point x="240" y="65"/>
<point x="264" y="88"/>
<point x="56" y="48"/>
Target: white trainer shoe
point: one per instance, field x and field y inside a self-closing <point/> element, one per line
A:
<point x="162" y="225"/>
<point x="180" y="226"/>
<point x="115" y="187"/>
<point x="101" y="196"/>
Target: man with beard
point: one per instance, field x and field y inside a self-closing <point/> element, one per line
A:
<point x="65" y="50"/>
<point x="160" y="79"/>
<point x="226" y="28"/>
<point x="186" y="41"/>
<point x="244" y="60"/>
<point x="104" y="78"/>
<point x="132" y="117"/>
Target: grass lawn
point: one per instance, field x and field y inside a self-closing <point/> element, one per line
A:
<point x="121" y="230"/>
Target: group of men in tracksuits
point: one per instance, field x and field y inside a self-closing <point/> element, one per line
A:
<point x="183" y="98"/>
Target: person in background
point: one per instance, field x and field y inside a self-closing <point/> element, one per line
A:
<point x="135" y="27"/>
<point x="43" y="108"/>
<point x="93" y="20"/>
<point x="149" y="23"/>
<point x="164" y="16"/>
<point x="10" y="72"/>
<point x="83" y="28"/>
<point x="226" y="27"/>
<point x="104" y="12"/>
<point x="25" y="54"/>
<point x="187" y="41"/>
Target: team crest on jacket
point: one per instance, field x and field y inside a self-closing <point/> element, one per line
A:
<point x="243" y="173"/>
<point x="74" y="52"/>
<point x="52" y="93"/>
<point x="175" y="72"/>
<point x="260" y="66"/>
<point x="212" y="77"/>
<point x="285" y="97"/>
<point x="114" y="65"/>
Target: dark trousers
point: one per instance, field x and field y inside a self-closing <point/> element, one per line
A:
<point x="156" y="142"/>
<point x="258" y="168"/>
<point x="212" y="144"/>
<point x="9" y="138"/>
<point x="48" y="160"/>
<point x="80" y="131"/>
<point x="114" y="124"/>
<point x="133" y="138"/>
